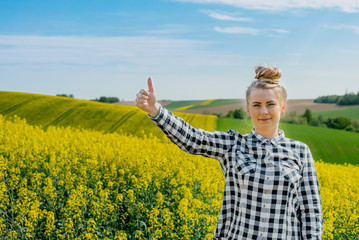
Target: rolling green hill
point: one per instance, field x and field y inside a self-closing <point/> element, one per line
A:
<point x="193" y="104"/>
<point x="350" y="112"/>
<point x="180" y="104"/>
<point x="330" y="145"/>
<point x="47" y="111"/>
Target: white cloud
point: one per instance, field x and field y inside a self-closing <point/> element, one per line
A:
<point x="353" y="28"/>
<point x="226" y="16"/>
<point x="252" y="31"/>
<point x="280" y="31"/>
<point x="127" y="53"/>
<point x="237" y="30"/>
<point x="343" y="5"/>
<point x="114" y="66"/>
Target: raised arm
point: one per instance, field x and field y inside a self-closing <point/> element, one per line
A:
<point x="190" y="139"/>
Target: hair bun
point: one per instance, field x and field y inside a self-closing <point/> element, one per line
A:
<point x="269" y="75"/>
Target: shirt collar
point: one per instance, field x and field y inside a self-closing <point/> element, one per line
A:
<point x="263" y="140"/>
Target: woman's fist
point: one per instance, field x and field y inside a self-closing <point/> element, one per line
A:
<point x="147" y="100"/>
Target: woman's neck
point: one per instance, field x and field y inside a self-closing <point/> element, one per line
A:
<point x="268" y="133"/>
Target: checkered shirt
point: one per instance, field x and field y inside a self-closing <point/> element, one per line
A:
<point x="271" y="186"/>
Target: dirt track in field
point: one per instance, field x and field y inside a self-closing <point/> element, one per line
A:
<point x="298" y="105"/>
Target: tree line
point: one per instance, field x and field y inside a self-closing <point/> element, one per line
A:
<point x="65" y="95"/>
<point x="307" y="118"/>
<point x="346" y="99"/>
<point x="101" y="99"/>
<point x="106" y="99"/>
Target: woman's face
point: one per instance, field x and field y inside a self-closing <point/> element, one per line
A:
<point x="265" y="107"/>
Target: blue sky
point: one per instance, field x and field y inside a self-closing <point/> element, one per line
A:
<point x="193" y="49"/>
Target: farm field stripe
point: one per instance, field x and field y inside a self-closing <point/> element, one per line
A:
<point x="16" y="106"/>
<point x="122" y="120"/>
<point x="64" y="115"/>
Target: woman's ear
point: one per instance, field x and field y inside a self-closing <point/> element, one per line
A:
<point x="283" y="108"/>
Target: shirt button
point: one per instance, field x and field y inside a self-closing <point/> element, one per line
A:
<point x="265" y="191"/>
<point x="264" y="205"/>
<point x="261" y="234"/>
<point x="267" y="178"/>
<point x="262" y="220"/>
<point x="268" y="164"/>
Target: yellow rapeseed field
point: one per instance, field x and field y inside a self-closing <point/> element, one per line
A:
<point x="66" y="183"/>
<point x="207" y="102"/>
<point x="183" y="108"/>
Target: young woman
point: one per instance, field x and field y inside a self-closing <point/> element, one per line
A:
<point x="271" y="186"/>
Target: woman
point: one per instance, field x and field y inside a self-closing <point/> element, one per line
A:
<point x="271" y="186"/>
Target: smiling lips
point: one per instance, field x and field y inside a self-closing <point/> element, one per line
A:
<point x="264" y="119"/>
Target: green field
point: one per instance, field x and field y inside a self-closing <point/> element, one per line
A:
<point x="45" y="111"/>
<point x="350" y="112"/>
<point x="178" y="104"/>
<point x="197" y="103"/>
<point x="330" y="145"/>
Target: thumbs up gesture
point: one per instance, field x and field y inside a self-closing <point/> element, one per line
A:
<point x="147" y="100"/>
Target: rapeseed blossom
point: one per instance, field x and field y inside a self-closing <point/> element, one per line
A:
<point x="66" y="183"/>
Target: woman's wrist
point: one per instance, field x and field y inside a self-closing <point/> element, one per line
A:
<point x="155" y="111"/>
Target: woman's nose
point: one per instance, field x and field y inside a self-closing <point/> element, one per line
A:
<point x="264" y="110"/>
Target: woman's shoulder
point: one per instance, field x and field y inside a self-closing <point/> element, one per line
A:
<point x="293" y="143"/>
<point x="235" y="134"/>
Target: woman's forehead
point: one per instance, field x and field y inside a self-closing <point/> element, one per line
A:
<point x="263" y="95"/>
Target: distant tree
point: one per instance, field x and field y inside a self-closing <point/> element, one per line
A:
<point x="294" y="118"/>
<point x="107" y="99"/>
<point x="103" y="99"/>
<point x="112" y="99"/>
<point x="327" y="99"/>
<point x="237" y="113"/>
<point x="65" y="95"/>
<point x="338" y="122"/>
<point x="308" y="115"/>
<point x="230" y="114"/>
<point x="348" y="99"/>
<point x="319" y="121"/>
<point x="355" y="124"/>
<point x="219" y="115"/>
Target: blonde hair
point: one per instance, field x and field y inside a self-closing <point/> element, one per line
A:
<point x="267" y="78"/>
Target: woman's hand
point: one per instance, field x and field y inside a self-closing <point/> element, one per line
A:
<point x="147" y="100"/>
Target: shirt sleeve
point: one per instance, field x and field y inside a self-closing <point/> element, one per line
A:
<point x="194" y="140"/>
<point x="311" y="215"/>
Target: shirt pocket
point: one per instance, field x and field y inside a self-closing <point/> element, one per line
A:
<point x="245" y="164"/>
<point x="291" y="170"/>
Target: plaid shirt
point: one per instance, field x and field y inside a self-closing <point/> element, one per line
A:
<point x="271" y="186"/>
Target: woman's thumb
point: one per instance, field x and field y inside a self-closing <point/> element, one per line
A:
<point x="150" y="85"/>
